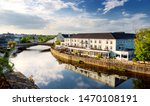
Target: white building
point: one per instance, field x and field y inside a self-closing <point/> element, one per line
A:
<point x="119" y="45"/>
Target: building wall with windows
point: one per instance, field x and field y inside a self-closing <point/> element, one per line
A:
<point x="116" y="46"/>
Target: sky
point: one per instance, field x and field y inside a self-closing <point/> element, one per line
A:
<point x="73" y="16"/>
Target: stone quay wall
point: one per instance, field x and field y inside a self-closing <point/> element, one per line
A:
<point x="108" y="63"/>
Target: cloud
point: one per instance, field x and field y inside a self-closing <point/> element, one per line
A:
<point x="111" y="4"/>
<point x="22" y="20"/>
<point x="45" y="17"/>
<point x="37" y="7"/>
<point x="125" y="14"/>
<point x="44" y="72"/>
<point x="86" y="23"/>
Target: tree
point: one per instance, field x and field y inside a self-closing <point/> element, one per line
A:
<point x="26" y="39"/>
<point x="12" y="44"/>
<point x="58" y="42"/>
<point x="142" y="44"/>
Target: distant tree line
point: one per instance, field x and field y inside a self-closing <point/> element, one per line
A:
<point x="38" y="38"/>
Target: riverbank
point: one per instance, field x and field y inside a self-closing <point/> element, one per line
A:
<point x="110" y="64"/>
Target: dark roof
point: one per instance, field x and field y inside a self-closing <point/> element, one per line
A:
<point x="116" y="35"/>
<point x="123" y="35"/>
<point x="65" y="35"/>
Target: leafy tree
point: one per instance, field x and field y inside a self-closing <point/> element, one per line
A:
<point x="142" y="44"/>
<point x="26" y="39"/>
<point x="12" y="44"/>
<point x="57" y="42"/>
<point x="41" y="38"/>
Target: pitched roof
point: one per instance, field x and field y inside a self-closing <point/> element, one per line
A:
<point x="65" y="35"/>
<point x="116" y="35"/>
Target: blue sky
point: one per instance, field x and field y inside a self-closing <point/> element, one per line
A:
<point x="73" y="16"/>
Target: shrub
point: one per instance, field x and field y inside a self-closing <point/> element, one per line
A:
<point x="99" y="56"/>
<point x="57" y="42"/>
<point x="79" y="61"/>
<point x="134" y="59"/>
<point x="12" y="44"/>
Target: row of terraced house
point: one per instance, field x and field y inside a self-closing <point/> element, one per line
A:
<point x="117" y="45"/>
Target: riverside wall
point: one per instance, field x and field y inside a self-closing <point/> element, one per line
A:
<point x="108" y="63"/>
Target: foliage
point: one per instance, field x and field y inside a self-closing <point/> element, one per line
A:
<point x="142" y="44"/>
<point x="4" y="61"/>
<point x="99" y="56"/>
<point x="38" y="38"/>
<point x="12" y="44"/>
<point x="117" y="69"/>
<point x="80" y="61"/>
<point x="4" y="64"/>
<point x="57" y="42"/>
<point x="134" y="59"/>
<point x="26" y="39"/>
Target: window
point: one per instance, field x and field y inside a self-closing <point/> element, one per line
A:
<point x="100" y="47"/>
<point x="91" y="41"/>
<point x="111" y="42"/>
<point x="99" y="41"/>
<point x="91" y="46"/>
<point x="106" y="48"/>
<point x="111" y="47"/>
<point x="106" y="42"/>
<point x="95" y="47"/>
<point x="95" y="41"/>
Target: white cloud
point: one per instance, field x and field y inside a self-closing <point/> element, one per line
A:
<point x="125" y="14"/>
<point x="111" y="4"/>
<point x="37" y="7"/>
<point x="44" y="72"/>
<point x="99" y="9"/>
<point x="47" y="20"/>
<point x="76" y="24"/>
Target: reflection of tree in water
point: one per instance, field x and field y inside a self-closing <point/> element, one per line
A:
<point x="141" y="84"/>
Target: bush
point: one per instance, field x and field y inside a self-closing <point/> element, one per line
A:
<point x="134" y="59"/>
<point x="99" y="56"/>
<point x="57" y="42"/>
<point x="4" y="64"/>
<point x="79" y="61"/>
<point x="12" y="44"/>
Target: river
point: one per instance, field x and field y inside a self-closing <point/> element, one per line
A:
<point x="49" y="73"/>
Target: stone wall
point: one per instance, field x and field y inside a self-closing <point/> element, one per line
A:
<point x="108" y="63"/>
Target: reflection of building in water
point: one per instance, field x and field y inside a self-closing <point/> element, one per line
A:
<point x="111" y="80"/>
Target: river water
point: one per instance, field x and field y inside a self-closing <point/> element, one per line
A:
<point x="49" y="73"/>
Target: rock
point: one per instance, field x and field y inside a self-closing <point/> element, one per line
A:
<point x="18" y="81"/>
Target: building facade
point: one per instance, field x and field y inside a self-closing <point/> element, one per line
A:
<point x="117" y="45"/>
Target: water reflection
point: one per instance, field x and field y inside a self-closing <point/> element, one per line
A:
<point x="49" y="73"/>
<point x="43" y="68"/>
<point x="111" y="80"/>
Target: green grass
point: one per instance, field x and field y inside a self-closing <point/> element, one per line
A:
<point x="80" y="61"/>
<point x="117" y="69"/>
